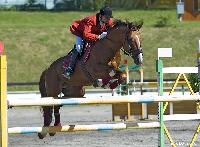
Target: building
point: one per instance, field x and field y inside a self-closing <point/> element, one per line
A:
<point x="191" y="10"/>
<point x="48" y="4"/>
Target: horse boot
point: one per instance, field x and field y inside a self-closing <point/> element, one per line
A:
<point x="57" y="119"/>
<point x="47" y="114"/>
<point x="70" y="69"/>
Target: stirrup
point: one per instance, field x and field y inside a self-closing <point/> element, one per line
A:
<point x="68" y="72"/>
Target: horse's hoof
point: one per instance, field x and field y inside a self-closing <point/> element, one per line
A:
<point x="56" y="125"/>
<point x="42" y="135"/>
<point x="52" y="134"/>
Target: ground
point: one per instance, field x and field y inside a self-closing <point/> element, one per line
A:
<point x="182" y="131"/>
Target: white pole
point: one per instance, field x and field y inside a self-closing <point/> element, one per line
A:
<point x="50" y="101"/>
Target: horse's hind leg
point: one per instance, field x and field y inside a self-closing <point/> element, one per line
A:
<point x="49" y="87"/>
<point x="57" y="118"/>
<point x="55" y="91"/>
<point x="70" y="91"/>
<point x="47" y="114"/>
<point x="47" y="111"/>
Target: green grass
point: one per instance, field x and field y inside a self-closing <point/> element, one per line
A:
<point x="35" y="39"/>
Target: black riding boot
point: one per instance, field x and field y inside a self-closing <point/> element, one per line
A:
<point x="70" y="69"/>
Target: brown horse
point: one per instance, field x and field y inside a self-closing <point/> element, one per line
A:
<point x="52" y="82"/>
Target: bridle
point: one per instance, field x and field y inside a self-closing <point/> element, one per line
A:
<point x="130" y="49"/>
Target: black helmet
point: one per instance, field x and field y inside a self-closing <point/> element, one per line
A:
<point x="106" y="11"/>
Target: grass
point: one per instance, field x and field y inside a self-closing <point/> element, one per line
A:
<point x="35" y="39"/>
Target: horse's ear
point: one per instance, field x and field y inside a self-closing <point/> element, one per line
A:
<point x="128" y="24"/>
<point x="132" y="26"/>
<point x="139" y="24"/>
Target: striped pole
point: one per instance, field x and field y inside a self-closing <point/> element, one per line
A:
<point x="66" y="128"/>
<point x="162" y="52"/>
<point x="159" y="67"/>
<point x="3" y="102"/>
<point x="74" y="128"/>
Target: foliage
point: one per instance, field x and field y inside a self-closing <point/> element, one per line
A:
<point x="162" y="21"/>
<point x="30" y="2"/>
<point x="193" y="79"/>
<point x="92" y="4"/>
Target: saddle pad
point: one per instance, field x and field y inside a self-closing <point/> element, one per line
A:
<point x="85" y="56"/>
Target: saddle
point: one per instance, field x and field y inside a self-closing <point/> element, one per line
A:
<point x="85" y="54"/>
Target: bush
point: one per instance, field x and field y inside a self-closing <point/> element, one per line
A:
<point x="30" y="2"/>
<point x="92" y="4"/>
<point x="32" y="7"/>
<point x="193" y="79"/>
<point x="162" y="21"/>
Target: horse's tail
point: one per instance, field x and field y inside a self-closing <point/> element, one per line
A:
<point x="42" y="86"/>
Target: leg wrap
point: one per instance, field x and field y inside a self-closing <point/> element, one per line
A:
<point x="108" y="83"/>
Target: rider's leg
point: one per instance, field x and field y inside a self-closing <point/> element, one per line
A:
<point x="79" y="44"/>
<point x="75" y="52"/>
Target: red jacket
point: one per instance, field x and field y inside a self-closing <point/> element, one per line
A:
<point x="89" y="28"/>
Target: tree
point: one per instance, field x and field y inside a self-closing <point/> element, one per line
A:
<point x="30" y="2"/>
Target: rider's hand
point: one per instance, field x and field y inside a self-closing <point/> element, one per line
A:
<point x="102" y="35"/>
<point x="140" y="57"/>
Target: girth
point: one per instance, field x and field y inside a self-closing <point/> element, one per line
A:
<point x="86" y="72"/>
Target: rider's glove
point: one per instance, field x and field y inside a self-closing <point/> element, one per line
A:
<point x="102" y="35"/>
<point x="140" y="57"/>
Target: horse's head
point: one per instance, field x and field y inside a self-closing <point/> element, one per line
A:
<point x="132" y="43"/>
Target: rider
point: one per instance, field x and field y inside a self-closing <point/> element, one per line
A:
<point x="91" y="29"/>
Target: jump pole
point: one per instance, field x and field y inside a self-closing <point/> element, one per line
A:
<point x="81" y="127"/>
<point x="162" y="52"/>
<point x="51" y="101"/>
<point x="3" y="102"/>
<point x="67" y="128"/>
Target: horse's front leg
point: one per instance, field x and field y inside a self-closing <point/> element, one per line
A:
<point x="111" y="78"/>
<point x="121" y="76"/>
<point x="103" y="70"/>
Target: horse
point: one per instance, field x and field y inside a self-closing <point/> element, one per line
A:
<point x="123" y="35"/>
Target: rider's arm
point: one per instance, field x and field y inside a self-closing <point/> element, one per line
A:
<point x="87" y="32"/>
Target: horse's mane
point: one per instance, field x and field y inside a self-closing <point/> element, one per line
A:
<point x="131" y="25"/>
